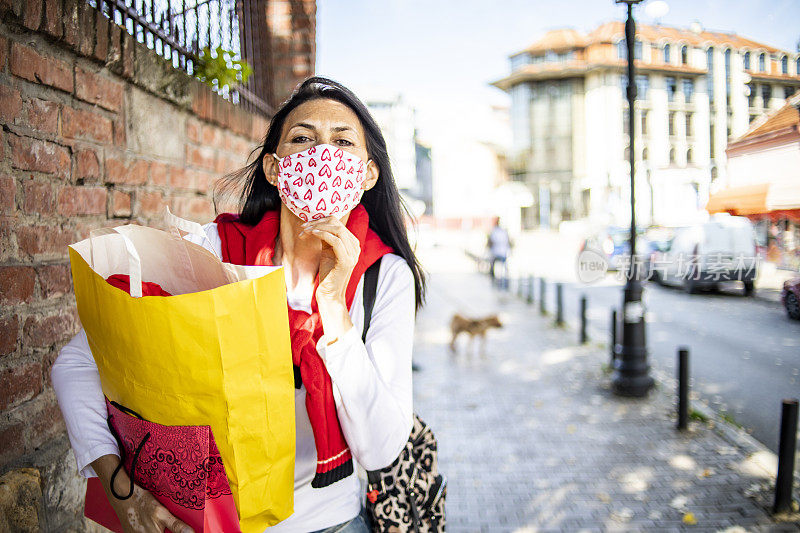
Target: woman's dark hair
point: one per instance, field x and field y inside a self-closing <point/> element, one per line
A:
<point x="383" y="202"/>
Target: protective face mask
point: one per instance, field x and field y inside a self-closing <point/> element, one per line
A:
<point x="321" y="181"/>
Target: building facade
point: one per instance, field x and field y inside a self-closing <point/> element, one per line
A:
<point x="569" y="114"/>
<point x="763" y="183"/>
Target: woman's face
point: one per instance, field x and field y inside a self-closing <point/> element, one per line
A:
<point x="322" y="121"/>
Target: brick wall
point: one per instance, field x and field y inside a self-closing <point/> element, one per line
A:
<point x="97" y="131"/>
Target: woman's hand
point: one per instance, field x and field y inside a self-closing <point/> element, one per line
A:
<point x="340" y="251"/>
<point x="141" y="513"/>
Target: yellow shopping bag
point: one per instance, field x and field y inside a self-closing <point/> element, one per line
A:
<point x="216" y="353"/>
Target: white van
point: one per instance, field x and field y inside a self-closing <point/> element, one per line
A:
<point x="701" y="256"/>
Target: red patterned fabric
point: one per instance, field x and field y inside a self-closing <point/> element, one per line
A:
<point x="254" y="245"/>
<point x="123" y="281"/>
<point x="179" y="465"/>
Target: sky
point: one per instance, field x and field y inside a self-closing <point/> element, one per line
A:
<point x="441" y="55"/>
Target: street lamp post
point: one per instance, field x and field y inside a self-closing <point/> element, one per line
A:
<point x="631" y="370"/>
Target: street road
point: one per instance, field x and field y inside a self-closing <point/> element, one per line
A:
<point x="744" y="352"/>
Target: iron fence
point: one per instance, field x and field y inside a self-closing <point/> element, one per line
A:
<point x="179" y="30"/>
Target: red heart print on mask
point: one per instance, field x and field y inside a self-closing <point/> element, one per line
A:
<point x="335" y="198"/>
<point x="304" y="217"/>
<point x="344" y="209"/>
<point x="298" y="156"/>
<point x="318" y="216"/>
<point x="335" y="209"/>
<point x="350" y="171"/>
<point x="307" y="195"/>
<point x="287" y="161"/>
<point x="295" y="196"/>
<point x="323" y="186"/>
<point x="326" y="155"/>
<point x="306" y="209"/>
<point x="337" y="181"/>
<point x="339" y="165"/>
<point x="348" y="185"/>
<point x="326" y="171"/>
<point x="361" y="166"/>
<point x="338" y="153"/>
<point x="321" y="205"/>
<point x="312" y="162"/>
<point x="285" y="187"/>
<point x="312" y="150"/>
<point x="298" y="182"/>
<point x="298" y="167"/>
<point x="309" y="179"/>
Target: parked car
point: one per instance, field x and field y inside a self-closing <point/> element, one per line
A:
<point x="613" y="243"/>
<point x="655" y="243"/>
<point x="704" y="255"/>
<point x="790" y="296"/>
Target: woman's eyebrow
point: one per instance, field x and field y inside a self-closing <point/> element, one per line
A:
<point x="341" y="128"/>
<point x="304" y="125"/>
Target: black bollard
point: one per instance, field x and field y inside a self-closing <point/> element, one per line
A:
<point x="786" y="451"/>
<point x="530" y="290"/>
<point x="559" y="305"/>
<point x="583" y="337"/>
<point x="683" y="388"/>
<point x="613" y="347"/>
<point x="542" y="293"/>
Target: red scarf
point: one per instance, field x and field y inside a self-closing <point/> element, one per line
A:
<point x="254" y="245"/>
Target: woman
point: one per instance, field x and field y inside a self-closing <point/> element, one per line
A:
<point x="365" y="388"/>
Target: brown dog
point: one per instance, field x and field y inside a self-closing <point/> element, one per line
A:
<point x="474" y="327"/>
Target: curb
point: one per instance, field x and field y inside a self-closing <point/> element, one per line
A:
<point x="731" y="433"/>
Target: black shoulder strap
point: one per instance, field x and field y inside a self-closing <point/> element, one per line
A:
<point x="370" y="288"/>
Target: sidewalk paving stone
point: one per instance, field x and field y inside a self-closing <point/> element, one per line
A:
<point x="532" y="439"/>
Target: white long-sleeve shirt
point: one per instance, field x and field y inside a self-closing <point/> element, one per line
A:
<point x="371" y="384"/>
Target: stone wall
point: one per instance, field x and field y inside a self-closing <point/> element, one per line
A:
<point x="97" y="130"/>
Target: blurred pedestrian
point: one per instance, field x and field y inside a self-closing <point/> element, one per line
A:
<point x="499" y="245"/>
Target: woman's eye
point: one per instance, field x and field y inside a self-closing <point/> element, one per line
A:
<point x="344" y="142"/>
<point x="301" y="139"/>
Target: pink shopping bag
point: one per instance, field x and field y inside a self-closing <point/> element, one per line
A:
<point x="179" y="465"/>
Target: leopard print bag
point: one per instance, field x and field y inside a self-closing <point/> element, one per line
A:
<point x="409" y="494"/>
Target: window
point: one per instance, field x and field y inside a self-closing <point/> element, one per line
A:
<point x="762" y="62"/>
<point x="671" y="87"/>
<point x="672" y="155"/>
<point x="728" y="76"/>
<point x="550" y="56"/>
<point x="766" y="95"/>
<point x="747" y="60"/>
<point x="729" y="124"/>
<point x="788" y="92"/>
<point x="688" y="90"/>
<point x="684" y="55"/>
<point x="625" y="124"/>
<point x="751" y="94"/>
<point x="689" y="156"/>
<point x="689" y="125"/>
<point x="784" y="65"/>
<point x="672" y="123"/>
<point x="520" y="60"/>
<point x="710" y="74"/>
<point x="642" y="84"/>
<point x="645" y="154"/>
<point x="666" y="53"/>
<point x="644" y="122"/>
<point x="797" y="67"/>
<point x="712" y="143"/>
<point x="622" y="49"/>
